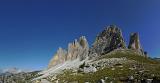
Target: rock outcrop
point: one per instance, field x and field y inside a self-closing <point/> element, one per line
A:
<point x="78" y="49"/>
<point x="134" y="43"/>
<point x="59" y="57"/>
<point x="108" y="40"/>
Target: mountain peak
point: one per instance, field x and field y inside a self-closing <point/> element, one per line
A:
<point x="112" y="29"/>
<point x="134" y="41"/>
<point x="109" y="39"/>
<point x="135" y="44"/>
<point x="76" y="50"/>
<point x="108" y="52"/>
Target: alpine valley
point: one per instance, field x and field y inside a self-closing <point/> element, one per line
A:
<point x="108" y="60"/>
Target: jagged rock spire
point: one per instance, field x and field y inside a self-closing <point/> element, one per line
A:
<point x="59" y="57"/>
<point x="85" y="47"/>
<point x="109" y="39"/>
<point x="135" y="44"/>
<point x="78" y="49"/>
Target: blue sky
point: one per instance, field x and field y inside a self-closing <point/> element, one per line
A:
<point x="32" y="30"/>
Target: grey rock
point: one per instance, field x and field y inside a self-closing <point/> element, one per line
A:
<point x="108" y="62"/>
<point x="109" y="39"/>
<point x="111" y="81"/>
<point x="86" y="82"/>
<point x="149" y="80"/>
<point x="58" y="58"/>
<point x="89" y="69"/>
<point x="131" y="78"/>
<point x="77" y="49"/>
<point x="106" y="78"/>
<point x="113" y="69"/>
<point x="135" y="44"/>
<point x="101" y="81"/>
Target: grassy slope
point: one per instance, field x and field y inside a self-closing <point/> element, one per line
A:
<point x="148" y="66"/>
<point x="131" y="55"/>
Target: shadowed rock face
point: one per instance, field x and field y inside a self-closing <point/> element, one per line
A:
<point x="108" y="40"/>
<point x="77" y="49"/>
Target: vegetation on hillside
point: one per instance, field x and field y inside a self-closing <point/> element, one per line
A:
<point x="138" y="68"/>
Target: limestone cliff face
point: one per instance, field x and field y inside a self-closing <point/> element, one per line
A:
<point x="59" y="57"/>
<point x="135" y="44"/>
<point x="77" y="49"/>
<point x="109" y="39"/>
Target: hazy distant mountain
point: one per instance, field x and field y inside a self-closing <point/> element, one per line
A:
<point x="15" y="76"/>
<point x="157" y="59"/>
<point x="1" y="71"/>
<point x="12" y="70"/>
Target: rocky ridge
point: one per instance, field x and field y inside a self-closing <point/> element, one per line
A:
<point x="109" y="39"/>
<point x="108" y="60"/>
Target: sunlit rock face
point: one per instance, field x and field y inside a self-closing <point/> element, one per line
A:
<point x="109" y="39"/>
<point x="135" y="44"/>
<point x="78" y="49"/>
<point x="59" y="57"/>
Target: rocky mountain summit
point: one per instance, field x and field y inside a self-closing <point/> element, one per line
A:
<point x="109" y="39"/>
<point x="109" y="59"/>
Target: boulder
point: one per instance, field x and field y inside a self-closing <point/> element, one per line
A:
<point x="89" y="69"/>
<point x="101" y="81"/>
